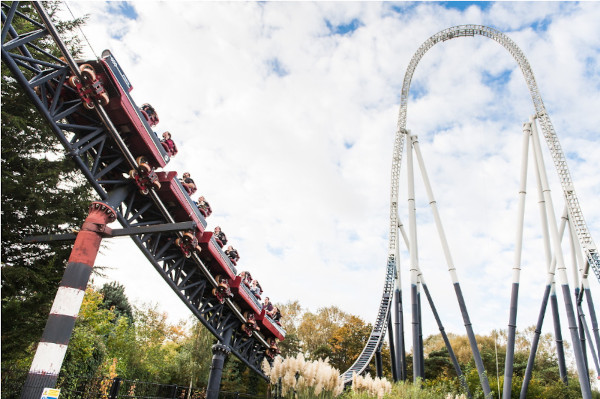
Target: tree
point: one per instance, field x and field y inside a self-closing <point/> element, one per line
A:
<point x="348" y="341"/>
<point x="87" y="349"/>
<point x="316" y="329"/>
<point x="194" y="358"/>
<point x="115" y="298"/>
<point x="42" y="193"/>
<point x="291" y="317"/>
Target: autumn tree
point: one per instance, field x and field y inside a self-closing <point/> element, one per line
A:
<point x="316" y="329"/>
<point x="348" y="341"/>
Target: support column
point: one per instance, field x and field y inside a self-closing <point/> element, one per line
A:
<point x="378" y="363"/>
<point x="220" y="353"/>
<point x="52" y="348"/>
<point x="392" y="350"/>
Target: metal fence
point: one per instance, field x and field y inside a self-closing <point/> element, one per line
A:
<point x="111" y="388"/>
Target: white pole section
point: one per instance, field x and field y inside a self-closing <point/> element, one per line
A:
<point x="514" y="297"/>
<point x="452" y="270"/>
<point x="436" y="214"/>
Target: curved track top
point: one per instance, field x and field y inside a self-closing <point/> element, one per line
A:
<point x="378" y="333"/>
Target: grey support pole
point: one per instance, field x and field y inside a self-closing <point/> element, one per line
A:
<point x="593" y="318"/>
<point x="400" y="341"/>
<point x="514" y="297"/>
<point x="421" y="354"/>
<point x="392" y="349"/>
<point x="399" y="336"/>
<point x="549" y="293"/>
<point x="459" y="373"/>
<point x="378" y="363"/>
<point x="560" y="347"/>
<point x="220" y="352"/>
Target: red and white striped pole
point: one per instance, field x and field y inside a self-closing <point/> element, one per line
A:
<point x="52" y="348"/>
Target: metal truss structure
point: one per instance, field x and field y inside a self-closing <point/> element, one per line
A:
<point x="91" y="140"/>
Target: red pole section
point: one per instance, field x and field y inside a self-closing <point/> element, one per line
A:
<point x="52" y="348"/>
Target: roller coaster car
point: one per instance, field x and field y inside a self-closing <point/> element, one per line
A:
<point x="244" y="298"/>
<point x="214" y="258"/>
<point x="222" y="291"/>
<point x="104" y="79"/>
<point x="178" y="202"/>
<point x="268" y="327"/>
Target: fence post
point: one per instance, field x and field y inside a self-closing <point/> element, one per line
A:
<point x="114" y="388"/>
<point x="173" y="391"/>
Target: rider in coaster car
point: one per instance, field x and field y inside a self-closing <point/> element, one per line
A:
<point x="150" y="114"/>
<point x="220" y="237"/>
<point x="233" y="254"/>
<point x="204" y="206"/>
<point x="168" y="144"/>
<point x="188" y="183"/>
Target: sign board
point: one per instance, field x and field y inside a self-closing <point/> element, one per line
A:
<point x="50" y="393"/>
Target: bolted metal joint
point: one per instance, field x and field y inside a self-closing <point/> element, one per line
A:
<point x="221" y="349"/>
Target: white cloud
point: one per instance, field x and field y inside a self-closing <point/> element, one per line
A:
<point x="297" y="167"/>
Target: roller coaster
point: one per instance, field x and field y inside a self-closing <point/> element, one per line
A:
<point x="88" y="106"/>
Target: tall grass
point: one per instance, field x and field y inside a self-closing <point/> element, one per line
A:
<point x="305" y="379"/>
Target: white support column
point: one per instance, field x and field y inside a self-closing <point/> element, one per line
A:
<point x="452" y="270"/>
<point x="414" y="280"/>
<point x="514" y="299"/>
<point x="560" y="266"/>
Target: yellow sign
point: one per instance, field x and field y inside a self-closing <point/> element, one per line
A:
<point x="50" y="393"/>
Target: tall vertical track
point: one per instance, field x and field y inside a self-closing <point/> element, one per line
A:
<point x="558" y="157"/>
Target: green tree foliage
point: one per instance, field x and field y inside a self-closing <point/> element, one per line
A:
<point x="291" y="317"/>
<point x="193" y="358"/>
<point x="42" y="193"/>
<point x="87" y="349"/>
<point x="115" y="298"/>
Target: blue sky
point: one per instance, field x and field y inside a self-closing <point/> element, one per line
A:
<point x="285" y="114"/>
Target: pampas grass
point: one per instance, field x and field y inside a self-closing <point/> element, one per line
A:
<point x="375" y="387"/>
<point x="305" y="379"/>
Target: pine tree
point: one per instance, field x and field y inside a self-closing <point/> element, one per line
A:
<point x="42" y="193"/>
<point x="114" y="297"/>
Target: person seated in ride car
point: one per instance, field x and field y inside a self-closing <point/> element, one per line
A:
<point x="267" y="305"/>
<point x="246" y="278"/>
<point x="152" y="116"/>
<point x="276" y="315"/>
<point x="220" y="237"/>
<point x="168" y="144"/>
<point x="233" y="254"/>
<point x="255" y="289"/>
<point x="204" y="206"/>
<point x="188" y="183"/>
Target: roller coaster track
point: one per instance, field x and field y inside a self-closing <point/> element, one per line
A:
<point x="103" y="158"/>
<point x="575" y="214"/>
